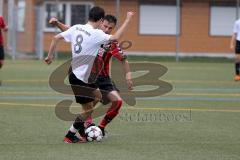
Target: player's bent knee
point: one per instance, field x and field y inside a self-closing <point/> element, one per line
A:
<point x="114" y="96"/>
<point x="87" y="108"/>
<point x="97" y="95"/>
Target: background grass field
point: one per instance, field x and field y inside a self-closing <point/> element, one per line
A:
<point x="199" y="119"/>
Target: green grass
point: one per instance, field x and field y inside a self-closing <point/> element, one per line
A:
<point x="198" y="119"/>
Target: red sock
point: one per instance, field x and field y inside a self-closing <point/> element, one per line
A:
<point x="88" y="121"/>
<point x="111" y="113"/>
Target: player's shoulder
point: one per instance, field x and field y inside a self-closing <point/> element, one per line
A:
<point x="77" y="26"/>
<point x="99" y="31"/>
<point x="72" y="28"/>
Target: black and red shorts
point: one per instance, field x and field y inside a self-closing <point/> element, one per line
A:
<point x="106" y="85"/>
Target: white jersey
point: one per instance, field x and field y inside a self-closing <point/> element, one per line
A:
<point x="236" y="29"/>
<point x="85" y="43"/>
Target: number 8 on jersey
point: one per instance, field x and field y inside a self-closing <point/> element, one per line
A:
<point x="77" y="46"/>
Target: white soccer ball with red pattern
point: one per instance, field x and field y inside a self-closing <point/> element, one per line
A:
<point x="94" y="133"/>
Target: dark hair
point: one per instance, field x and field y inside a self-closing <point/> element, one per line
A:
<point x="96" y="13"/>
<point x="111" y="19"/>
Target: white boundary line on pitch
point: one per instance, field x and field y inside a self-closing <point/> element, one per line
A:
<point x="136" y="108"/>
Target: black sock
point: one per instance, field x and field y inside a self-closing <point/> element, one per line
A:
<point x="70" y="134"/>
<point x="237" y="68"/>
<point x="79" y="125"/>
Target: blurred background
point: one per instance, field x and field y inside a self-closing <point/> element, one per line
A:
<point x="160" y="27"/>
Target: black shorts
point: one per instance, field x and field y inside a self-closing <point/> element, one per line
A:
<point x="1" y="53"/>
<point x="83" y="92"/>
<point x="106" y="85"/>
<point x="237" y="48"/>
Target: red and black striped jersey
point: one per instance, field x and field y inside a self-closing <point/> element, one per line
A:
<point x="102" y="61"/>
<point x="111" y="49"/>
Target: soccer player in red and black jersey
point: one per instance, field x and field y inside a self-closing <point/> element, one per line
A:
<point x="110" y="92"/>
<point x="3" y="27"/>
<point x="104" y="81"/>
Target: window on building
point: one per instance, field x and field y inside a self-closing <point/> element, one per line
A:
<point x="68" y="13"/>
<point x="222" y="17"/>
<point x="21" y="15"/>
<point x="158" y="17"/>
<point x="79" y="13"/>
<point x="58" y="11"/>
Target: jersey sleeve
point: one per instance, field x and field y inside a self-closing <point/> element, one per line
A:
<point x="102" y="38"/>
<point x="67" y="35"/>
<point x="117" y="52"/>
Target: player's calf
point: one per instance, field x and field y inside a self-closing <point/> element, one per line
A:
<point x="111" y="114"/>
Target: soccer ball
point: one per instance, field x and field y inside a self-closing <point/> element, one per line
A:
<point x="94" y="133"/>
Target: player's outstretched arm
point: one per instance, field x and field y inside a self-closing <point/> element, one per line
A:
<point x="128" y="74"/>
<point x="120" y="31"/>
<point x="52" y="49"/>
<point x="233" y="41"/>
<point x="56" y="23"/>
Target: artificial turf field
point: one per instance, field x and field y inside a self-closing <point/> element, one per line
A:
<point x="199" y="119"/>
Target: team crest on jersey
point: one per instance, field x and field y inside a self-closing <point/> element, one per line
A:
<point x="101" y="52"/>
<point x="104" y="48"/>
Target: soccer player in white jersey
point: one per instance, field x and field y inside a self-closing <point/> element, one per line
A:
<point x="85" y="40"/>
<point x="109" y="91"/>
<point x="235" y="44"/>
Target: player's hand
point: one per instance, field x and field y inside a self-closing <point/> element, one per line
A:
<point x="53" y="21"/>
<point x="130" y="15"/>
<point x="130" y="84"/>
<point x="48" y="60"/>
